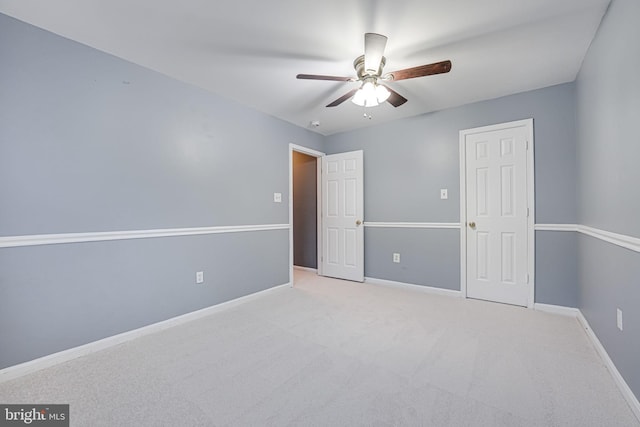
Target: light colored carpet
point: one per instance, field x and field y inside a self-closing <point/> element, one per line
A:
<point x="337" y="353"/>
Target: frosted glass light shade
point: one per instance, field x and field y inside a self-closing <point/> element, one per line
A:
<point x="370" y="95"/>
<point x="382" y="94"/>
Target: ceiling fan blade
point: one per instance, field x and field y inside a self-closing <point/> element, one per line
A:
<point x="343" y="98"/>
<point x="317" y="77"/>
<point x="420" y="71"/>
<point x="395" y="98"/>
<point x="374" y="45"/>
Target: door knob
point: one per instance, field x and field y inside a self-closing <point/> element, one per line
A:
<point x="358" y="222"/>
<point x="472" y="224"/>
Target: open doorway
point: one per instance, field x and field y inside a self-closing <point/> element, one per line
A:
<point x="305" y="244"/>
<point x="305" y="208"/>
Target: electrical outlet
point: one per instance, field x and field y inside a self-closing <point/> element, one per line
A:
<point x="277" y="197"/>
<point x="200" y="277"/>
<point x="619" y="319"/>
<point x="396" y="258"/>
<point x="444" y="194"/>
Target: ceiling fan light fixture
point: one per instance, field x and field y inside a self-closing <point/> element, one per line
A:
<point x="370" y="94"/>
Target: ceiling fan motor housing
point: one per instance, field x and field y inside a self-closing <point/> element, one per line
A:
<point x="358" y="64"/>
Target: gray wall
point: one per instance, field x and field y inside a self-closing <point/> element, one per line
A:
<point x="305" y="231"/>
<point x="428" y="257"/>
<point x="89" y="142"/>
<point x="557" y="268"/>
<point x="407" y="162"/>
<point x="608" y="108"/>
<point x="55" y="297"/>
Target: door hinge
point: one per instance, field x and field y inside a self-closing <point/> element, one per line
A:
<point x="527" y="278"/>
<point x="527" y="144"/>
<point x="527" y="212"/>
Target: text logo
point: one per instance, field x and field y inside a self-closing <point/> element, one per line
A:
<point x="34" y="415"/>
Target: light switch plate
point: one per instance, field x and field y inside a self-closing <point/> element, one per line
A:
<point x="200" y="277"/>
<point x="277" y="197"/>
<point x="444" y="193"/>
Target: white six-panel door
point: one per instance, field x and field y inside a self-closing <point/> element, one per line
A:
<point x="496" y="227"/>
<point x="342" y="216"/>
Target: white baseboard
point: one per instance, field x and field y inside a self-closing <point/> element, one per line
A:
<point x="40" y="363"/>
<point x="298" y="267"/>
<point x="556" y="309"/>
<point x="420" y="288"/>
<point x="631" y="399"/>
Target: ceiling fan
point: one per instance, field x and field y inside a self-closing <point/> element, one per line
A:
<point x="369" y="71"/>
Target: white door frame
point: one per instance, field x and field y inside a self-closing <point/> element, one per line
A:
<point x="317" y="154"/>
<point x="528" y="124"/>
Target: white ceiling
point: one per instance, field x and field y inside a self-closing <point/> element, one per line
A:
<point x="251" y="50"/>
